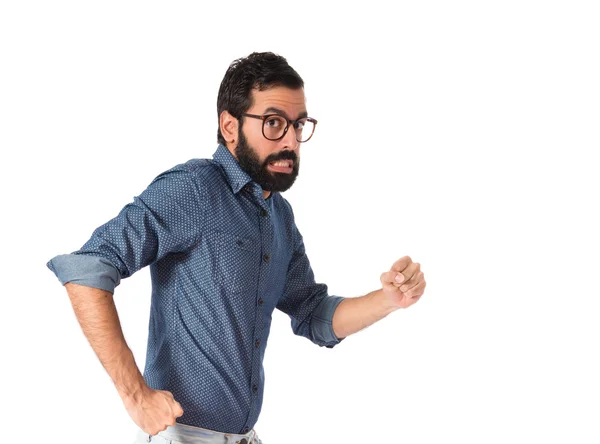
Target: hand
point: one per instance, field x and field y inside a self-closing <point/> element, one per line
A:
<point x="404" y="284"/>
<point x="153" y="410"/>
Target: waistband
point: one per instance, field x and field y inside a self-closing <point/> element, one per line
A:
<point x="197" y="435"/>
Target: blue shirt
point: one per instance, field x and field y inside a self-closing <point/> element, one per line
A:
<point x="222" y="258"/>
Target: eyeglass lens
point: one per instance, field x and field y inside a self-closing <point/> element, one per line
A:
<point x="274" y="126"/>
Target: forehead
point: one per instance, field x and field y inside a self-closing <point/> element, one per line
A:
<point x="291" y="101"/>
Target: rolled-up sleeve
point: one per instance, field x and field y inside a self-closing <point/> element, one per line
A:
<point x="91" y="271"/>
<point x="165" y="218"/>
<point x="308" y="303"/>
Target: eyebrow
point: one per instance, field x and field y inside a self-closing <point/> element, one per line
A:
<point x="272" y="109"/>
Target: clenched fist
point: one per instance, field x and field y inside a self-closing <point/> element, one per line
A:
<point x="404" y="284"/>
<point x="153" y="410"/>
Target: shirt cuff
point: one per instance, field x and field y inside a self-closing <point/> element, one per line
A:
<point x="91" y="271"/>
<point x="322" y="322"/>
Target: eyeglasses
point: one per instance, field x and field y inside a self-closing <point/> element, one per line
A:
<point x="275" y="126"/>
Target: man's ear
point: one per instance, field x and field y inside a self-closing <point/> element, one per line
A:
<point x="229" y="128"/>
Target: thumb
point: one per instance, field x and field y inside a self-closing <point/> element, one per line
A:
<point x="392" y="278"/>
<point x="398" y="278"/>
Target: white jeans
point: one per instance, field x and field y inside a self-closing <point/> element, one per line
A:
<point x="185" y="434"/>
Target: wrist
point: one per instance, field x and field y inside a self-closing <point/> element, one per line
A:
<point x="133" y="394"/>
<point x="129" y="382"/>
<point x="384" y="301"/>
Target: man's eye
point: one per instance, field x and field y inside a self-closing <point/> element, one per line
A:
<point x="273" y="123"/>
<point x="299" y="125"/>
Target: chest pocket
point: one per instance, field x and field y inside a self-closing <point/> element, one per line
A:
<point x="238" y="261"/>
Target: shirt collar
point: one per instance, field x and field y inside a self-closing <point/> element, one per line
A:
<point x="235" y="175"/>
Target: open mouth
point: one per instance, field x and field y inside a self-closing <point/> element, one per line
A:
<point x="282" y="166"/>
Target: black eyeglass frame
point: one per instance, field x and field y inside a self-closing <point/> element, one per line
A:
<point x="289" y="122"/>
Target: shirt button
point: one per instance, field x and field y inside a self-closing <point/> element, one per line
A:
<point x="257" y="343"/>
<point x="260" y="301"/>
<point x="264" y="212"/>
<point x="254" y="388"/>
<point x="246" y="430"/>
<point x="267" y="257"/>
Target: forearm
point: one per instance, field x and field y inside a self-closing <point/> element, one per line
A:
<point x="96" y="312"/>
<point x="355" y="314"/>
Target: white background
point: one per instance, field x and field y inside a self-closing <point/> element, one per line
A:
<point x="463" y="134"/>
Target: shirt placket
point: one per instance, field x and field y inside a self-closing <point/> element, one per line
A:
<point x="266" y="229"/>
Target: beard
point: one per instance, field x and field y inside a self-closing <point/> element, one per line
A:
<point x="268" y="180"/>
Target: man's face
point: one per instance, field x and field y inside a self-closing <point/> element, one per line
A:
<point x="256" y="154"/>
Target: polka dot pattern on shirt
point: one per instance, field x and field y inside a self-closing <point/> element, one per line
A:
<point x="221" y="259"/>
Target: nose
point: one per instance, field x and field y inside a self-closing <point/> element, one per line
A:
<point x="289" y="140"/>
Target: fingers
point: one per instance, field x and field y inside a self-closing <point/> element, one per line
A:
<point x="389" y="277"/>
<point x="388" y="280"/>
<point x="167" y="393"/>
<point x="155" y="429"/>
<point x="407" y="270"/>
<point x="178" y="411"/>
<point x="155" y="411"/>
<point x="417" y="289"/>
<point x="401" y="264"/>
<point x="411" y="276"/>
<point x="175" y="406"/>
<point x="407" y="279"/>
<point x="174" y="410"/>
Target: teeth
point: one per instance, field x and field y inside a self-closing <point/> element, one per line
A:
<point x="281" y="164"/>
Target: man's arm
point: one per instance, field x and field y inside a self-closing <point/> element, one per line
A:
<point x="402" y="286"/>
<point x="97" y="315"/>
<point x="165" y="218"/>
<point x="152" y="410"/>
<point x="355" y="314"/>
<point x="307" y="302"/>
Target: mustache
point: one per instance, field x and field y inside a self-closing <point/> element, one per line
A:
<point x="284" y="155"/>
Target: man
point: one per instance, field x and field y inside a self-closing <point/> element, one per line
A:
<point x="224" y="252"/>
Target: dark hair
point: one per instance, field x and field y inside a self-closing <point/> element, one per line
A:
<point x="261" y="71"/>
